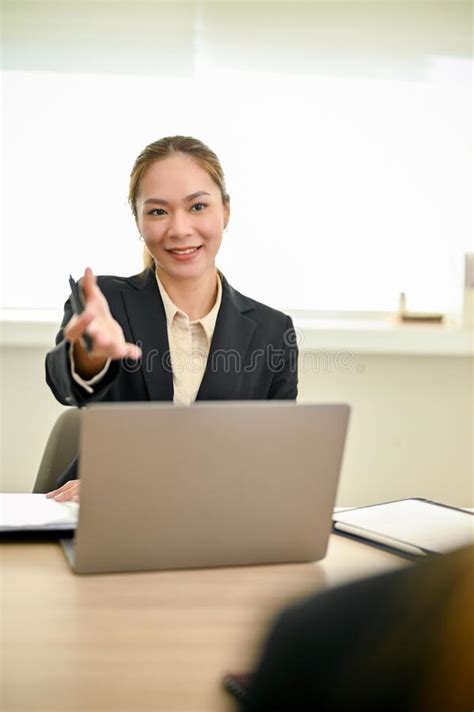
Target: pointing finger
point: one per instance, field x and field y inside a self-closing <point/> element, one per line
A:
<point x="88" y="283"/>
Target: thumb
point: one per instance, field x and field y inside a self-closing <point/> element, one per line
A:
<point x="132" y="352"/>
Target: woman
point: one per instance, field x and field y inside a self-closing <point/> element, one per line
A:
<point x="177" y="331"/>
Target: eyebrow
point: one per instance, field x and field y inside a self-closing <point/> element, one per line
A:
<point x="160" y="201"/>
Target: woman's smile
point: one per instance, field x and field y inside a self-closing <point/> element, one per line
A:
<point x="184" y="253"/>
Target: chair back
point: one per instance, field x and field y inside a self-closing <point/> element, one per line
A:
<point x="61" y="449"/>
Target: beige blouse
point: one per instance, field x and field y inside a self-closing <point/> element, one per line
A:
<point x="189" y="343"/>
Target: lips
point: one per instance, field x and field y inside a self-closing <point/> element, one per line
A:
<point x="185" y="254"/>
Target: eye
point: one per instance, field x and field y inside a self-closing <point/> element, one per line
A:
<point x="157" y="212"/>
<point x="199" y="207"/>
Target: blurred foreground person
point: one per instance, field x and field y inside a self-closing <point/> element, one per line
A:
<point x="402" y="641"/>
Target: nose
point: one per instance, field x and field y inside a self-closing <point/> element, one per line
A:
<point x="180" y="225"/>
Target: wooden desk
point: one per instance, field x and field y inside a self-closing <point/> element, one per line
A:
<point x="145" y="642"/>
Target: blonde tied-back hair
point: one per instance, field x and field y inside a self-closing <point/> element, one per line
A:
<point x="164" y="148"/>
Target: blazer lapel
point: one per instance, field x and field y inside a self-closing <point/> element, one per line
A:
<point x="232" y="336"/>
<point x="147" y="319"/>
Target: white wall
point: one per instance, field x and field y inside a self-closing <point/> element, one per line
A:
<point x="411" y="432"/>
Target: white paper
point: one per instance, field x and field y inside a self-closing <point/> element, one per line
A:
<point x="19" y="512"/>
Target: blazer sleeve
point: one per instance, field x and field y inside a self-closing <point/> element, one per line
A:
<point x="284" y="385"/>
<point x="59" y="377"/>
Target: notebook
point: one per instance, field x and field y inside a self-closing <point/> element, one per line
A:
<point x="413" y="526"/>
<point x="24" y="512"/>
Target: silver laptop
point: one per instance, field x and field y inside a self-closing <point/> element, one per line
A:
<point x="214" y="484"/>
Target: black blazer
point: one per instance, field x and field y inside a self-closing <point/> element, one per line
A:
<point x="253" y="354"/>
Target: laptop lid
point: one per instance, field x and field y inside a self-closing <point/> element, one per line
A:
<point x="214" y="484"/>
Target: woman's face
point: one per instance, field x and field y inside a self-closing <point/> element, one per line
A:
<point x="181" y="216"/>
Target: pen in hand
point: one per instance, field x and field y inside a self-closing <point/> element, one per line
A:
<point x="78" y="306"/>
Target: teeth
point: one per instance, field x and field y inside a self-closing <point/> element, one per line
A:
<point x="185" y="252"/>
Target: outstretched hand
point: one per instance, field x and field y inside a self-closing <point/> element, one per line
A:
<point x="106" y="333"/>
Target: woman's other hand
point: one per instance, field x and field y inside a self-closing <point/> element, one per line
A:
<point x="107" y="336"/>
<point x="67" y="493"/>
